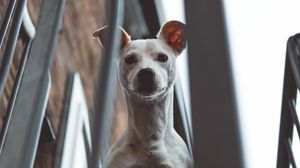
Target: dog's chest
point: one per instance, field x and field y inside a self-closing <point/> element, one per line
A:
<point x="148" y="157"/>
<point x="168" y="153"/>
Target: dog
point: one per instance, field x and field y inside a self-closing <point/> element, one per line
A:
<point x="147" y="70"/>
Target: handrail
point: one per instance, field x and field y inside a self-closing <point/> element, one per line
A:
<point x="106" y="85"/>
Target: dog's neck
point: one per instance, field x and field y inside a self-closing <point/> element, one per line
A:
<point x="149" y="120"/>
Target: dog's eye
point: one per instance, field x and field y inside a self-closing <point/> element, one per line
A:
<point x="162" y="57"/>
<point x="131" y="59"/>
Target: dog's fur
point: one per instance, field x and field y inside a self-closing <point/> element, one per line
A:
<point x="150" y="140"/>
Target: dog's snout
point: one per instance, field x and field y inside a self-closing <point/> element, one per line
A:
<point x="146" y="74"/>
<point x="146" y="80"/>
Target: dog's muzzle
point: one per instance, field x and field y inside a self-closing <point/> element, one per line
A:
<point x="146" y="81"/>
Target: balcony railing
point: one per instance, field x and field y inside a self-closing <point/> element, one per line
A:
<point x="26" y="108"/>
<point x="289" y="118"/>
<point x="6" y="63"/>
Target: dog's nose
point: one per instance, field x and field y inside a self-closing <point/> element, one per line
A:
<point x="146" y="81"/>
<point x="146" y="74"/>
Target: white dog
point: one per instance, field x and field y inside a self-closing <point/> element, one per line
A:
<point x="147" y="71"/>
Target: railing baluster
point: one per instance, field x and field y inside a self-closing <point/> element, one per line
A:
<point x="293" y="111"/>
<point x="8" y="15"/>
<point x="11" y="43"/>
<point x="64" y="120"/>
<point x="106" y="84"/>
<point x="214" y="113"/>
<point x="290" y="152"/>
<point x="291" y="83"/>
<point x="14" y="95"/>
<point x="27" y="25"/>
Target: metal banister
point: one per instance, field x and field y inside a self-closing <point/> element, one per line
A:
<point x="29" y="109"/>
<point x="5" y="23"/>
<point x="289" y="118"/>
<point x="106" y="85"/>
<point x="217" y="141"/>
<point x="11" y="42"/>
<point x="29" y="28"/>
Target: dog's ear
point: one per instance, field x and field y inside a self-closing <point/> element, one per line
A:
<point x="102" y="36"/>
<point x="172" y="33"/>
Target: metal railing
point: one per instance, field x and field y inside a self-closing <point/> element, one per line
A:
<point x="26" y="109"/>
<point x="106" y="84"/>
<point x="289" y="117"/>
<point x="217" y="141"/>
<point x="14" y="15"/>
<point x="29" y="30"/>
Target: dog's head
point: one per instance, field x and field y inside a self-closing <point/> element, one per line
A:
<point x="147" y="68"/>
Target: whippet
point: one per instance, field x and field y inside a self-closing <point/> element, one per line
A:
<point x="147" y="70"/>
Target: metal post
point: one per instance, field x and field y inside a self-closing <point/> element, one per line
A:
<point x="214" y="115"/>
<point x="106" y="85"/>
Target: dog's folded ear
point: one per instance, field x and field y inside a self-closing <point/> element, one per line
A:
<point x="102" y="36"/>
<point x="173" y="34"/>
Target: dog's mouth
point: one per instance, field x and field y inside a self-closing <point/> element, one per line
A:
<point x="149" y="94"/>
<point x="147" y="85"/>
<point x="146" y="88"/>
